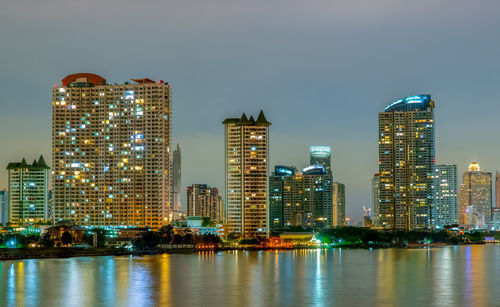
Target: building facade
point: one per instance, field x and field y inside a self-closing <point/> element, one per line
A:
<point x="204" y="201"/>
<point x="246" y="175"/>
<point x="4" y="207"/>
<point x="338" y="204"/>
<point x="407" y="163"/>
<point x="497" y="190"/>
<point x="111" y="152"/>
<point x="475" y="198"/>
<point x="28" y="192"/>
<point x="376" y="201"/>
<point x="446" y="206"/>
<point x="176" y="179"/>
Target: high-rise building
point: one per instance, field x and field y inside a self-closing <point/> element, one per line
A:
<point x="4" y="207"/>
<point x="497" y="190"/>
<point x="367" y="217"/>
<point x="246" y="171"/>
<point x="176" y="179"/>
<point x="28" y="191"/>
<point x="204" y="201"/>
<point x="407" y="163"/>
<point x="303" y="199"/>
<point x="320" y="154"/>
<point x="446" y="206"/>
<point x="111" y="152"/>
<point x="338" y="204"/>
<point x="475" y="198"/>
<point x="376" y="200"/>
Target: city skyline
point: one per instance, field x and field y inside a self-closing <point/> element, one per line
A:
<point x="341" y="58"/>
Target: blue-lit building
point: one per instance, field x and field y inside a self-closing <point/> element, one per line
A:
<point x="322" y="155"/>
<point x="301" y="198"/>
<point x="407" y="163"/>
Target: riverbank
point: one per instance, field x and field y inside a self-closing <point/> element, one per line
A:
<point x="40" y="253"/>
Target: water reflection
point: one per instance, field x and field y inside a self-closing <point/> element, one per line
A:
<point x="464" y="276"/>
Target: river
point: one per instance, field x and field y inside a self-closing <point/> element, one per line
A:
<point x="446" y="276"/>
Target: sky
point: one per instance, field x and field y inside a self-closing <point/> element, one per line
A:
<point x="320" y="70"/>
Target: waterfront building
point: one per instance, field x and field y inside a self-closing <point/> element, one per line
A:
<point x="475" y="198"/>
<point x="446" y="206"/>
<point x="28" y="191"/>
<point x="321" y="155"/>
<point x="246" y="175"/>
<point x="204" y="201"/>
<point x="338" y="191"/>
<point x="304" y="199"/>
<point x="495" y="218"/>
<point x="111" y="152"/>
<point x="407" y="163"/>
<point x="4" y="207"/>
<point x="376" y="200"/>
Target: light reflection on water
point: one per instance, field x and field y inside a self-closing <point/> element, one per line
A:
<point x="448" y="276"/>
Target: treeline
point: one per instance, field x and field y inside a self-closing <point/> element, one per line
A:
<point x="357" y="236"/>
<point x="167" y="235"/>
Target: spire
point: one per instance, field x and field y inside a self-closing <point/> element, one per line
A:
<point x="261" y="120"/>
<point x="244" y="120"/>
<point x="41" y="162"/>
<point x="252" y="120"/>
<point x="23" y="162"/>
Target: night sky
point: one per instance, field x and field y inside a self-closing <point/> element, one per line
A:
<point x="320" y="70"/>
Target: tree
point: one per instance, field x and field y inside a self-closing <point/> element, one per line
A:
<point x="148" y="241"/>
<point x="167" y="233"/>
<point x="66" y="238"/>
<point x="46" y="241"/>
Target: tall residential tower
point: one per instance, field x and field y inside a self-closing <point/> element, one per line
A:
<point x="446" y="207"/>
<point x="28" y="192"/>
<point x="111" y="152"/>
<point x="407" y="163"/>
<point x="176" y="179"/>
<point x="246" y="160"/>
<point x="475" y="198"/>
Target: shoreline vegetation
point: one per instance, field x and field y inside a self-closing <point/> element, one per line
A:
<point x="169" y="241"/>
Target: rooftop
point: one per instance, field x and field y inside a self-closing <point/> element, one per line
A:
<point x="411" y="103"/>
<point x="245" y="121"/>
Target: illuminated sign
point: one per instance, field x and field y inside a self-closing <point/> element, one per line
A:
<point x="316" y="169"/>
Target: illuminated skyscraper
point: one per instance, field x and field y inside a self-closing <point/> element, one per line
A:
<point x="475" y="198"/>
<point x="301" y="199"/>
<point x="204" y="201"/>
<point x="246" y="172"/>
<point x="446" y="207"/>
<point x="319" y="154"/>
<point x="176" y="179"/>
<point x="28" y="191"/>
<point x="407" y="163"/>
<point x="376" y="200"/>
<point x="111" y="152"/>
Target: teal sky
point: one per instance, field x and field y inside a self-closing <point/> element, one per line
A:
<point x="320" y="70"/>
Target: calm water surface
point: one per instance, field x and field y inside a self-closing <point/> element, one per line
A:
<point x="448" y="276"/>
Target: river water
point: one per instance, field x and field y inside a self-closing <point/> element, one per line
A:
<point x="447" y="276"/>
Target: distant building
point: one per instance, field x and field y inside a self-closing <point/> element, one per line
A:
<point x="376" y="201"/>
<point x="475" y="198"/>
<point x="111" y="152"/>
<point x="495" y="218"/>
<point x="446" y="206"/>
<point x="176" y="179"/>
<point x="320" y="154"/>
<point x="407" y="163"/>
<point x="497" y="190"/>
<point x="285" y="189"/>
<point x="204" y="201"/>
<point x="28" y="192"/>
<point x="338" y="192"/>
<point x="4" y="207"/>
<point x="367" y="217"/>
<point x="246" y="175"/>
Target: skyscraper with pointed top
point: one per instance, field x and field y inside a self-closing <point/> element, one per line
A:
<point x="246" y="160"/>
<point x="28" y="191"/>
